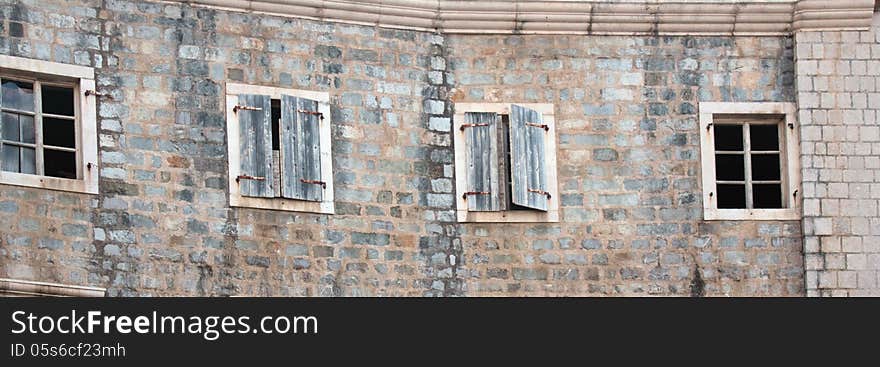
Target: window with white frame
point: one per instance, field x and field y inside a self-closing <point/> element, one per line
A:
<point x="279" y="148"/>
<point x="48" y="137"/>
<point x="750" y="164"/>
<point x="505" y="162"/>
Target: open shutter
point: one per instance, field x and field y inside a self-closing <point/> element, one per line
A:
<point x="481" y="139"/>
<point x="255" y="143"/>
<point x="301" y="149"/>
<point x="528" y="172"/>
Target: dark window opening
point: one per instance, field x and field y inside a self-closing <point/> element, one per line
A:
<point x="57" y="100"/>
<point x="507" y="161"/>
<point x="765" y="167"/>
<point x="59" y="132"/>
<point x="730" y="167"/>
<point x="764" y="137"/>
<point x="767" y="196"/>
<point x="276" y="124"/>
<point x="59" y="163"/>
<point x="729" y="137"/>
<point x="731" y="196"/>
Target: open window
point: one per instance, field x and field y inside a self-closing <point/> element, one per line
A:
<point x="279" y="149"/>
<point x="48" y="135"/>
<point x="505" y="163"/>
<point x="749" y="161"/>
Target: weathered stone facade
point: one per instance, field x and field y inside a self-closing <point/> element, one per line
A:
<point x="838" y="100"/>
<point x="628" y="137"/>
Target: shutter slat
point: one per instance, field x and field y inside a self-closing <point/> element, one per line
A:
<point x="528" y="171"/>
<point x="481" y="139"/>
<point x="300" y="149"/>
<point x="255" y="137"/>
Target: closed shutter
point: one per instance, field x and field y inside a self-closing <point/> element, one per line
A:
<point x="255" y="143"/>
<point x="527" y="156"/>
<point x="301" y="149"/>
<point x="481" y="140"/>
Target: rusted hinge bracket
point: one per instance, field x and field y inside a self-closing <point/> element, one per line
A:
<point x="320" y="115"/>
<point x="709" y="126"/>
<point x="542" y="192"/>
<point x="92" y="92"/>
<point x="465" y="195"/>
<point x="246" y="108"/>
<point x="314" y="182"/>
<point x="535" y="124"/>
<point x="464" y="126"/>
<point x="246" y="177"/>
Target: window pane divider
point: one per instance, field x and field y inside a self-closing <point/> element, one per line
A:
<point x="60" y="117"/>
<point x="21" y="112"/>
<point x="729" y="152"/>
<point x="63" y="149"/>
<point x="19" y="144"/>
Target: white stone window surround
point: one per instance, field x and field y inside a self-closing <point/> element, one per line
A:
<point x="28" y="288"/>
<point x="789" y="159"/>
<point x="326" y="206"/>
<point x="508" y="216"/>
<point x="82" y="79"/>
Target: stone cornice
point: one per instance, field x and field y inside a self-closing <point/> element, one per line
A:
<point x="625" y="17"/>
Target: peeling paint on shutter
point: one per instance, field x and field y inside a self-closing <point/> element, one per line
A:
<point x="301" y="149"/>
<point x="481" y="138"/>
<point x="528" y="172"/>
<point x="255" y="137"/>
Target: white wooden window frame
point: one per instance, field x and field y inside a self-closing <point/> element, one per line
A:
<point x="789" y="160"/>
<point x="82" y="79"/>
<point x="326" y="206"/>
<point x="506" y="216"/>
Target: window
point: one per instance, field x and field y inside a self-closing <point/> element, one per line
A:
<point x="48" y="129"/>
<point x="750" y="161"/>
<point x="279" y="149"/>
<point x="505" y="163"/>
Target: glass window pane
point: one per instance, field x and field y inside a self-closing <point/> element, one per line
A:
<point x="765" y="167"/>
<point x="59" y="163"/>
<point x="764" y="137"/>
<point x="767" y="196"/>
<point x="59" y="132"/>
<point x="27" y="128"/>
<point x="730" y="167"/>
<point x="57" y="100"/>
<point x="11" y="128"/>
<point x="731" y="196"/>
<point x="28" y="160"/>
<point x="18" y="95"/>
<point x="11" y="158"/>
<point x="728" y="137"/>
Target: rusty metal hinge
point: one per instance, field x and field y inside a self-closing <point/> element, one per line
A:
<point x="314" y="182"/>
<point x="535" y="124"/>
<point x="465" y="195"/>
<point x="463" y="126"/>
<point x="320" y="115"/>
<point x="247" y="177"/>
<point x="92" y="92"/>
<point x="542" y="192"/>
<point x="246" y="108"/>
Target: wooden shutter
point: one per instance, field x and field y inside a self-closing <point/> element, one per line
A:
<point x="301" y="149"/>
<point x="481" y="140"/>
<point x="527" y="156"/>
<point x="255" y="143"/>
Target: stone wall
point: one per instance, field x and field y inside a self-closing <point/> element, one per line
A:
<point x="626" y="110"/>
<point x="628" y="161"/>
<point x="838" y="100"/>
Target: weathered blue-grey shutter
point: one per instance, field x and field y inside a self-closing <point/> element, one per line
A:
<point x="527" y="156"/>
<point x="481" y="145"/>
<point x="255" y="143"/>
<point x="301" y="149"/>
